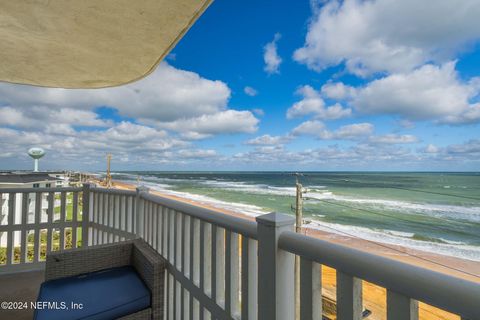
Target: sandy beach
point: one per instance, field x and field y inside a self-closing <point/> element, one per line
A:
<point x="374" y="296"/>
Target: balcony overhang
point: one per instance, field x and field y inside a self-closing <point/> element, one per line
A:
<point x="89" y="43"/>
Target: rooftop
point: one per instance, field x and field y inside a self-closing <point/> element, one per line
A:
<point x="25" y="177"/>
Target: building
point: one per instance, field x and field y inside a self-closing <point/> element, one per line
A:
<point x="62" y="177"/>
<point x="31" y="180"/>
<point x="10" y="180"/>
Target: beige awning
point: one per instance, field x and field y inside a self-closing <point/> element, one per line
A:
<point x="89" y="43"/>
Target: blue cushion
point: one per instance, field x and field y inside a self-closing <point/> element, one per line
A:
<point x="106" y="294"/>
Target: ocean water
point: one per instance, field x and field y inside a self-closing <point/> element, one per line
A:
<point x="434" y="212"/>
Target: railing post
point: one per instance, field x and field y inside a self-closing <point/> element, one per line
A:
<point x="400" y="307"/>
<point x="139" y="211"/>
<point x="275" y="269"/>
<point x="85" y="214"/>
<point x="349" y="297"/>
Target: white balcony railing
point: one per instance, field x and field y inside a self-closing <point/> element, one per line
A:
<point x="220" y="266"/>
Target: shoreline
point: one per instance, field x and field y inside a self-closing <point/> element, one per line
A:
<point x="374" y="296"/>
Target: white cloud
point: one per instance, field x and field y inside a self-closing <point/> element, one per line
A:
<point x="267" y="139"/>
<point x="192" y="135"/>
<point x="468" y="151"/>
<point x="127" y="138"/>
<point x="71" y="116"/>
<point x="358" y="156"/>
<point x="59" y="129"/>
<point x="388" y="35"/>
<point x="353" y="131"/>
<point x="138" y="145"/>
<point x="369" y="153"/>
<point x="429" y="92"/>
<point x="431" y="148"/>
<point x="131" y="133"/>
<point x="471" y="147"/>
<point x="124" y="140"/>
<point x="35" y="117"/>
<point x="470" y="115"/>
<point x="394" y="139"/>
<point x="311" y="127"/>
<point x="347" y="132"/>
<point x="19" y="137"/>
<point x="229" y="121"/>
<point x="167" y="94"/>
<point x="269" y="149"/>
<point x="356" y="131"/>
<point x="197" y="154"/>
<point x="249" y="91"/>
<point x="10" y="116"/>
<point x="270" y="56"/>
<point x="313" y="104"/>
<point x="169" y="99"/>
<point x="337" y="91"/>
<point x="66" y="122"/>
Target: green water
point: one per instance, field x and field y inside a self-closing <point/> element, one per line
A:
<point x="437" y="212"/>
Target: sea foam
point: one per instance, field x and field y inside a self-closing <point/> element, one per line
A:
<point x="406" y="239"/>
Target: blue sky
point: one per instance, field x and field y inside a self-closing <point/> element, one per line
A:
<point x="277" y="85"/>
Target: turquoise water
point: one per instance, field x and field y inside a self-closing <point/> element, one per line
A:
<point x="436" y="212"/>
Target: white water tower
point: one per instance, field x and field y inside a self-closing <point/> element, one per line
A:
<point x="36" y="153"/>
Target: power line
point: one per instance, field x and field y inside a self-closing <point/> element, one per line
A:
<point x="400" y="251"/>
<point x="370" y="211"/>
<point x="386" y="246"/>
<point x="409" y="189"/>
<point x="361" y="209"/>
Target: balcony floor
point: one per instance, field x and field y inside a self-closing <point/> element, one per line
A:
<point x="20" y="287"/>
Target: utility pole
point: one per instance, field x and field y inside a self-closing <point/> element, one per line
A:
<point x="298" y="204"/>
<point x="298" y="229"/>
<point x="108" y="177"/>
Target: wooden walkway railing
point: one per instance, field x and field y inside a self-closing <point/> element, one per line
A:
<point x="36" y="221"/>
